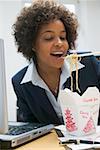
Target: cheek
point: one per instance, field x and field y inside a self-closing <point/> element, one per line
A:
<point x="45" y="48"/>
<point x="67" y="45"/>
<point x="42" y="51"/>
<point x="42" y="45"/>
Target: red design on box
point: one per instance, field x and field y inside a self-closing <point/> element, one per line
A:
<point x="89" y="126"/>
<point x="70" y="123"/>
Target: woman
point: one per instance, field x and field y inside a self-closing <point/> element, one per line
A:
<point x="44" y="33"/>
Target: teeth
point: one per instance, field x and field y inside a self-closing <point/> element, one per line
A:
<point x="56" y="53"/>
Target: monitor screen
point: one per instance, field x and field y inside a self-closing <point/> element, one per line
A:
<point x="3" y="94"/>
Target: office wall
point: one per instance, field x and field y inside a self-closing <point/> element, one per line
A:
<point x="89" y="18"/>
<point x="94" y="25"/>
<point x="88" y="12"/>
<point x="14" y="61"/>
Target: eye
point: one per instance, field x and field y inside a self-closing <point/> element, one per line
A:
<point x="48" y="37"/>
<point x="63" y="38"/>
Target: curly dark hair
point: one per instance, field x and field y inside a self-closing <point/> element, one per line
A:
<point x="32" y="18"/>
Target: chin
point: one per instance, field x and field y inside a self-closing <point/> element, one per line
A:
<point x="59" y="66"/>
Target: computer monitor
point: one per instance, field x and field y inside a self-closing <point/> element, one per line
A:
<point x="3" y="94"/>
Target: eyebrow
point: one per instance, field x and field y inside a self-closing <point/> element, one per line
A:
<point x="50" y="31"/>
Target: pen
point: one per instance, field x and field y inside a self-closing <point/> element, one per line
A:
<point x="89" y="142"/>
<point x="72" y="141"/>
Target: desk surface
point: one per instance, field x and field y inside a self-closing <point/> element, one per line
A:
<point x="47" y="142"/>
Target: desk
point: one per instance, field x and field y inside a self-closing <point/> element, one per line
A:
<point x="47" y="142"/>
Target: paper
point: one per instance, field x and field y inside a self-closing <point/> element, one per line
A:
<point x="83" y="146"/>
<point x="80" y="113"/>
<point x="94" y="137"/>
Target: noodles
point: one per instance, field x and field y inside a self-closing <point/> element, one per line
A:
<point x="74" y="61"/>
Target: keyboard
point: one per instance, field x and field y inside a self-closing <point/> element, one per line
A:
<point x="16" y="130"/>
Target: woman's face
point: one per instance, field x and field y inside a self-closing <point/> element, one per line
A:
<point x="51" y="45"/>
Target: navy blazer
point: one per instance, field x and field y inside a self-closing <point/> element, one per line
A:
<point x="32" y="101"/>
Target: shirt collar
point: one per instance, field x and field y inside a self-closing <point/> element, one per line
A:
<point x="33" y="76"/>
<point x="28" y="75"/>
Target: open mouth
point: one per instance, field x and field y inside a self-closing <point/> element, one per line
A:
<point x="57" y="54"/>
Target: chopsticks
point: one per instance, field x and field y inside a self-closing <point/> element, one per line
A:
<point x="85" y="54"/>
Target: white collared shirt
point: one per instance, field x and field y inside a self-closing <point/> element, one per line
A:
<point x="33" y="76"/>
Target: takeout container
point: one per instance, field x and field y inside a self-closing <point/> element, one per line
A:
<point x="80" y="113"/>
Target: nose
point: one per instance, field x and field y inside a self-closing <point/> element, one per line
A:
<point x="58" y="42"/>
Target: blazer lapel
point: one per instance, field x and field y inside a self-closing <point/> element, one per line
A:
<point x="39" y="103"/>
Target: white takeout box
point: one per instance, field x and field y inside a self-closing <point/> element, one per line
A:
<point x="80" y="113"/>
